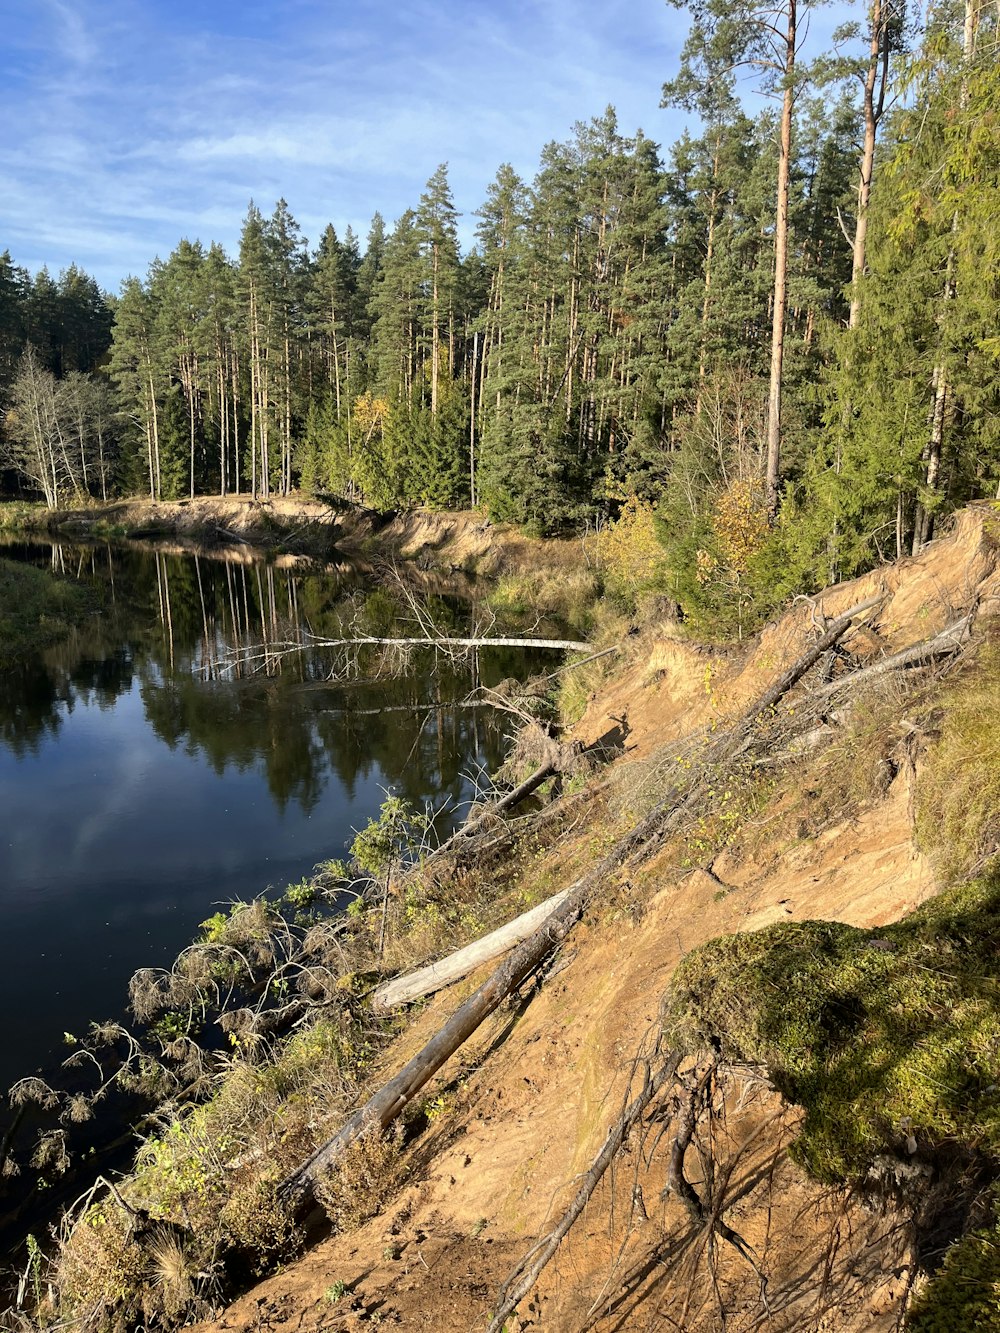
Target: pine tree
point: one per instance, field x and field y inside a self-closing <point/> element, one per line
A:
<point x="438" y="240"/>
<point x="138" y="374"/>
<point x="723" y="38"/>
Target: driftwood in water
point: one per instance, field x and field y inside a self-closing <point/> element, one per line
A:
<point x="403" y="990"/>
<point x="298" y="1188"/>
<point x="444" y="641"/>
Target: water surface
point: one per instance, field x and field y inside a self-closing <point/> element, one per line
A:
<point x="174" y="754"/>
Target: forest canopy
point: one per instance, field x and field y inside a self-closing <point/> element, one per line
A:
<point x="779" y="339"/>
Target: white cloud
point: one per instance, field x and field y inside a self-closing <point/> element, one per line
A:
<point x="138" y="124"/>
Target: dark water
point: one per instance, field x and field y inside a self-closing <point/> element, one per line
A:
<point x="172" y="755"/>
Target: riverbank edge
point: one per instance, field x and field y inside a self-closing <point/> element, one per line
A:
<point x="298" y="524"/>
<point x="38" y="608"/>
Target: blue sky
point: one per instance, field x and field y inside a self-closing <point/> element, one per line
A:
<point x="132" y="123"/>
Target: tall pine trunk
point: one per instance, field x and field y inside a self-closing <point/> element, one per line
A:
<point x="773" y="473"/>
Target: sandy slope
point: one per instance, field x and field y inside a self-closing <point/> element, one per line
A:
<point x="530" y="1105"/>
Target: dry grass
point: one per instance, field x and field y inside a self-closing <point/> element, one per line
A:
<point x="958" y="791"/>
<point x="364" y="1178"/>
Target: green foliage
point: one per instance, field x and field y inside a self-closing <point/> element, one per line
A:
<point x="384" y="842"/>
<point x="609" y="337"/>
<point x="630" y="552"/>
<point x="878" y="1034"/>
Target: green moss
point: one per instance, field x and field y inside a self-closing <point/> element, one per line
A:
<point x="965" y="1293"/>
<point x="37" y="608"/>
<point x="879" y="1035"/>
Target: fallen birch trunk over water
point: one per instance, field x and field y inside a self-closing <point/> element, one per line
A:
<point x="298" y="1189"/>
<point x="443" y="641"/>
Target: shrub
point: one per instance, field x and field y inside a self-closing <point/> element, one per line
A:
<point x="630" y="551"/>
<point x="362" y="1180"/>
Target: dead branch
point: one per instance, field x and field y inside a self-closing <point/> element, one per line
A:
<point x="836" y="631"/>
<point x="945" y="644"/>
<point x="572" y="666"/>
<point x="528" y="1271"/>
<point x="677" y="1182"/>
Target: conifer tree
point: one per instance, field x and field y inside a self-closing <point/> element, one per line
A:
<point x="766" y="38"/>
<point x="138" y="374"/>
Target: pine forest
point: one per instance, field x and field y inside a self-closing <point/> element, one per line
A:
<point x="767" y="356"/>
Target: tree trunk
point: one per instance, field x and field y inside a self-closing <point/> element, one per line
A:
<point x="435" y="976"/>
<point x="773" y="473"/>
<point x="873" y="105"/>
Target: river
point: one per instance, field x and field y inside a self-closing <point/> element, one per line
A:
<point x="187" y="746"/>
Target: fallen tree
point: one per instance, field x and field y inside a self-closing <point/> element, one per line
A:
<point x="404" y="990"/>
<point x="297" y="1189"/>
<point x="944" y="644"/>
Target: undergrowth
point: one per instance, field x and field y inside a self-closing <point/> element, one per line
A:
<point x="958" y="795"/>
<point x="889" y="1039"/>
<point x="200" y="1214"/>
<point x="965" y="1294"/>
<point x="568" y="595"/>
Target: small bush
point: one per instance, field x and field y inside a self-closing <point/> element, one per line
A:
<point x="362" y="1180"/>
<point x="631" y="554"/>
<point x="258" y="1222"/>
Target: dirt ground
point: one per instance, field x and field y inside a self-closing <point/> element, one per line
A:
<point x="524" y="1111"/>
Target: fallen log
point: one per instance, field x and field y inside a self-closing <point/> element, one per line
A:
<point x="835" y="632"/>
<point x="945" y="644"/>
<point x="297" y="1189"/>
<point x="445" y="641"/>
<point x="435" y="976"/>
<point x="520" y="793"/>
